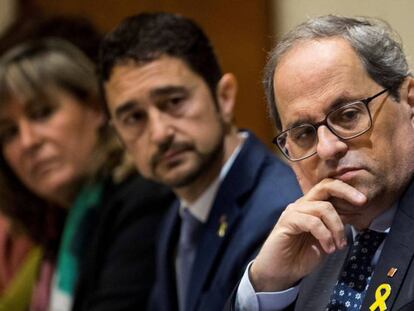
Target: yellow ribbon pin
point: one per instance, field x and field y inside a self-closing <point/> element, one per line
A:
<point x="380" y="297"/>
<point x="221" y="232"/>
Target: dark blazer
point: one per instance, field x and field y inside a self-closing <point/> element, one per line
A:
<point x="398" y="252"/>
<point x="250" y="199"/>
<point x="119" y="266"/>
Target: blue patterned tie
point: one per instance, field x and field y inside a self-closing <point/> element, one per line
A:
<point x="187" y="247"/>
<point x="350" y="289"/>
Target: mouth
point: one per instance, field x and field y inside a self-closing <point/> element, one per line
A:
<point x="172" y="156"/>
<point x="346" y="174"/>
<point x="43" y="167"/>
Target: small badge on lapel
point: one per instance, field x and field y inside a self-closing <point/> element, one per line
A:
<point x="381" y="295"/>
<point x="392" y="272"/>
<point x="221" y="232"/>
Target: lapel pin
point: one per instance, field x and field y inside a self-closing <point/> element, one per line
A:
<point x="392" y="272"/>
<point x="221" y="232"/>
<point x="381" y="295"/>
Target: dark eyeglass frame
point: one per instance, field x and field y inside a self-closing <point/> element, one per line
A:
<point x="364" y="101"/>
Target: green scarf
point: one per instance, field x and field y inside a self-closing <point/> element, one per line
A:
<point x="74" y="237"/>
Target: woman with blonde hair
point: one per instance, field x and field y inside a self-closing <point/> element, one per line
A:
<point x="59" y="156"/>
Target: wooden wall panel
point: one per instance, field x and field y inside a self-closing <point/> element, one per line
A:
<point x="239" y="31"/>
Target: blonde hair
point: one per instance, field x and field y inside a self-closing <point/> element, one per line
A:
<point x="34" y="71"/>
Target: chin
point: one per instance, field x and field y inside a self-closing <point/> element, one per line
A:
<point x="179" y="181"/>
<point x="56" y="186"/>
<point x="356" y="221"/>
<point x="182" y="178"/>
<point x="344" y="207"/>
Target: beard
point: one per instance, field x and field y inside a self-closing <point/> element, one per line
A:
<point x="201" y="162"/>
<point x="204" y="163"/>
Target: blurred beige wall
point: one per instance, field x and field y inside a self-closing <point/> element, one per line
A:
<point x="7" y="13"/>
<point x="399" y="13"/>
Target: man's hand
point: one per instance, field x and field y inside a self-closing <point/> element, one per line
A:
<point x="306" y="231"/>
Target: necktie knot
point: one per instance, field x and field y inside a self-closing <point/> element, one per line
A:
<point x="365" y="245"/>
<point x="190" y="229"/>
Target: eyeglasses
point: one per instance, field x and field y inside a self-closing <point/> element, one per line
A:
<point x="346" y="122"/>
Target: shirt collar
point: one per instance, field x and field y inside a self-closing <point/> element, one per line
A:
<point x="201" y="207"/>
<point x="382" y="223"/>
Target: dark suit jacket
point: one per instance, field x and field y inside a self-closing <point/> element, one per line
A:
<point x="398" y="252"/>
<point x="119" y="266"/>
<point x="251" y="197"/>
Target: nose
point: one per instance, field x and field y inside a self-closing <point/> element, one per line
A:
<point x="329" y="145"/>
<point x="161" y="130"/>
<point x="29" y="136"/>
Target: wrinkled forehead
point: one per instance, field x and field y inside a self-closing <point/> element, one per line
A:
<point x="140" y="80"/>
<point x="315" y="74"/>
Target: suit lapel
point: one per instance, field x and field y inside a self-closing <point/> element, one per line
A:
<point x="316" y="289"/>
<point x="209" y="252"/>
<point x="226" y="210"/>
<point x="397" y="253"/>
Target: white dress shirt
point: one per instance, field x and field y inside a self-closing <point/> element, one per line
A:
<point x="201" y="207"/>
<point x="248" y="300"/>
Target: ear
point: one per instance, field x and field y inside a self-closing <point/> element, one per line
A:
<point x="226" y="96"/>
<point x="410" y="98"/>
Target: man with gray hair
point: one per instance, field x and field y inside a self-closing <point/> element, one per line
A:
<point x="342" y="96"/>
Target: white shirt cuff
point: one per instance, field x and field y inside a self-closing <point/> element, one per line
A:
<point x="248" y="300"/>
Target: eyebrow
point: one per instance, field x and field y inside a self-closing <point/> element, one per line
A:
<point x="154" y="94"/>
<point x="338" y="102"/>
<point x="167" y="90"/>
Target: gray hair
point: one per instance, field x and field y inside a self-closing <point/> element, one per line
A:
<point x="33" y="69"/>
<point x="36" y="71"/>
<point x="373" y="40"/>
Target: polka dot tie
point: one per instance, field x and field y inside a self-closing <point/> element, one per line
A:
<point x="350" y="289"/>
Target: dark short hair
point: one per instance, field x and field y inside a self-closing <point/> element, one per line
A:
<point x="146" y="37"/>
<point x="373" y="40"/>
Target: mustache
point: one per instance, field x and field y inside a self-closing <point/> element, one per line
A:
<point x="169" y="146"/>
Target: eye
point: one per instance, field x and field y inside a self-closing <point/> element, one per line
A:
<point x="132" y="118"/>
<point x="7" y="134"/>
<point x="176" y="101"/>
<point x="174" y="105"/>
<point x="302" y="134"/>
<point x="347" y="116"/>
<point x="41" y="112"/>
